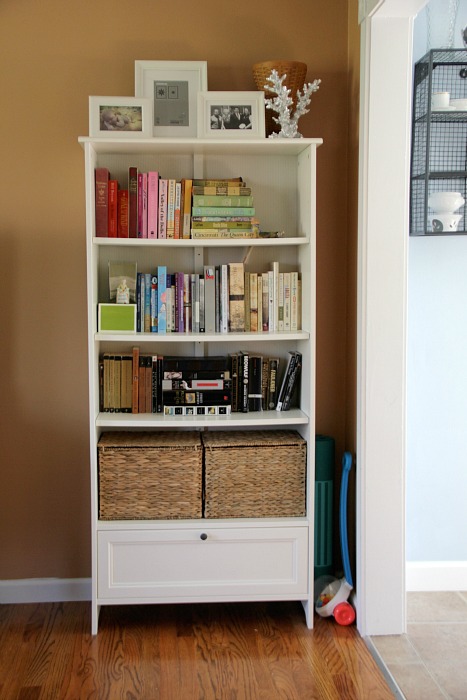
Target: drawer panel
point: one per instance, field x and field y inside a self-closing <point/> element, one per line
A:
<point x="177" y="564"/>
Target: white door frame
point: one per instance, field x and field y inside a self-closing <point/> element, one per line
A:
<point x="383" y="229"/>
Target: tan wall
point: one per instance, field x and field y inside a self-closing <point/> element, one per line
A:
<point x="54" y="54"/>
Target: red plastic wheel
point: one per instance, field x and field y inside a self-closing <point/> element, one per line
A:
<point x="344" y="614"/>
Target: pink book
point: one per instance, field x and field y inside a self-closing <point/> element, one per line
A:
<point x="162" y="233"/>
<point x="145" y="205"/>
<point x="140" y="205"/>
<point x="153" y="203"/>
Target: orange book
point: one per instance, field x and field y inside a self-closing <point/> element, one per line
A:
<point x="135" y="382"/>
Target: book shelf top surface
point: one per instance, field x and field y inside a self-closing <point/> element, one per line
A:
<point x="294" y="416"/>
<point x="201" y="242"/>
<point x="201" y="146"/>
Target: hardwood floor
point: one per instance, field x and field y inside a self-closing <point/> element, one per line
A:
<point x="182" y="652"/>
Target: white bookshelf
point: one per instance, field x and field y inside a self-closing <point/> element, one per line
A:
<point x="240" y="559"/>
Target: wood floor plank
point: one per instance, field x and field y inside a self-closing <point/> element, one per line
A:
<point x="182" y="652"/>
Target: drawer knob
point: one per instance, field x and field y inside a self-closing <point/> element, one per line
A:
<point x="203" y="536"/>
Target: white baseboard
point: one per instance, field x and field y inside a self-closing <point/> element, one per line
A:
<point x="45" y="590"/>
<point x="436" y="576"/>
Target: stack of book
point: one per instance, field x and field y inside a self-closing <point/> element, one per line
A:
<point x="223" y="209"/>
<point x="151" y="206"/>
<point x="241" y="382"/>
<point x="196" y="386"/>
<point x="223" y="299"/>
<point x="148" y="206"/>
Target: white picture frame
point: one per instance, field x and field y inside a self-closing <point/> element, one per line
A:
<point x="217" y="109"/>
<point x="172" y="87"/>
<point x="120" y="117"/>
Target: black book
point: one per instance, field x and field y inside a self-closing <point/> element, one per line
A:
<point x="285" y="379"/>
<point x="255" y="378"/>
<point x="273" y="378"/>
<point x="191" y="363"/>
<point x="196" y="397"/>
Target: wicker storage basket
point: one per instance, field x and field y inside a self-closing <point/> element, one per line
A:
<point x="296" y="76"/>
<point x="255" y="474"/>
<point x="145" y="475"/>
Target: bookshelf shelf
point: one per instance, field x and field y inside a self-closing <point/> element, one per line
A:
<point x="207" y="243"/>
<point x="271" y="419"/>
<point x="162" y="561"/>
<point x="176" y="338"/>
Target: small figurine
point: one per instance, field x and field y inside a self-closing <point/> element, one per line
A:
<point x="123" y="293"/>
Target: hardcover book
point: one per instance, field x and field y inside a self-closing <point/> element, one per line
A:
<point x="161" y="298"/>
<point x="231" y="190"/>
<point x="153" y="203"/>
<point x="236" y="297"/>
<point x="219" y="200"/>
<point x="223" y="211"/>
<point x="293" y="382"/>
<point x="132" y="202"/>
<point x="122" y="213"/>
<point x="192" y="363"/>
<point x="135" y="382"/>
<point x="102" y="177"/>
<point x="170" y="208"/>
<point x="272" y="382"/>
<point x="254" y="302"/>
<point x="162" y="223"/>
<point x="288" y="379"/>
<point x="187" y="185"/>
<point x="255" y="377"/>
<point x="209" y="299"/>
<point x="113" y="209"/>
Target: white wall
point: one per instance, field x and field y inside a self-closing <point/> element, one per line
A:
<point x="436" y="527"/>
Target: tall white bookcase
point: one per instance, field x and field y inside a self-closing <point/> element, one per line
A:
<point x="238" y="559"/>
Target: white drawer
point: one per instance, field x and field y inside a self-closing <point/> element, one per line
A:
<point x="224" y="564"/>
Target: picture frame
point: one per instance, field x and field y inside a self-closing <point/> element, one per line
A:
<point x="231" y="115"/>
<point x="120" y="117"/>
<point x="173" y="88"/>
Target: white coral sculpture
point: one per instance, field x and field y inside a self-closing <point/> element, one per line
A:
<point x="283" y="102"/>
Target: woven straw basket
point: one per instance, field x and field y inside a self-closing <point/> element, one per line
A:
<point x="296" y="76"/>
<point x="150" y="475"/>
<point x="254" y="474"/>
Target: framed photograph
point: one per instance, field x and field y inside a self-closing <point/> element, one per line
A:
<point x="231" y="115"/>
<point x="128" y="117"/>
<point x="173" y="88"/>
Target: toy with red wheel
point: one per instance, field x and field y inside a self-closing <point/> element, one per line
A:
<point x="332" y="594"/>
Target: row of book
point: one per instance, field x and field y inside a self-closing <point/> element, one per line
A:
<point x="224" y="299"/>
<point x="240" y="382"/>
<point x="151" y="206"/>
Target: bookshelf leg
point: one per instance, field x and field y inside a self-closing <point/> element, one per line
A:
<point x="308" y="609"/>
<point x="95" y="618"/>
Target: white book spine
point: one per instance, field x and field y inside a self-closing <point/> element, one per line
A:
<point x="294" y="301"/>
<point x="224" y="299"/>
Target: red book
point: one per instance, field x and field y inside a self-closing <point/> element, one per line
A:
<point x="122" y="213"/>
<point x="113" y="207"/>
<point x="132" y="202"/>
<point x="102" y="201"/>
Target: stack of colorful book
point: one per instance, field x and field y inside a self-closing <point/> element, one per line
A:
<point x="223" y="209"/>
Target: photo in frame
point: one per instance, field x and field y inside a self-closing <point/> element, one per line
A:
<point x="114" y="117"/>
<point x="231" y="115"/>
<point x="172" y="87"/>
